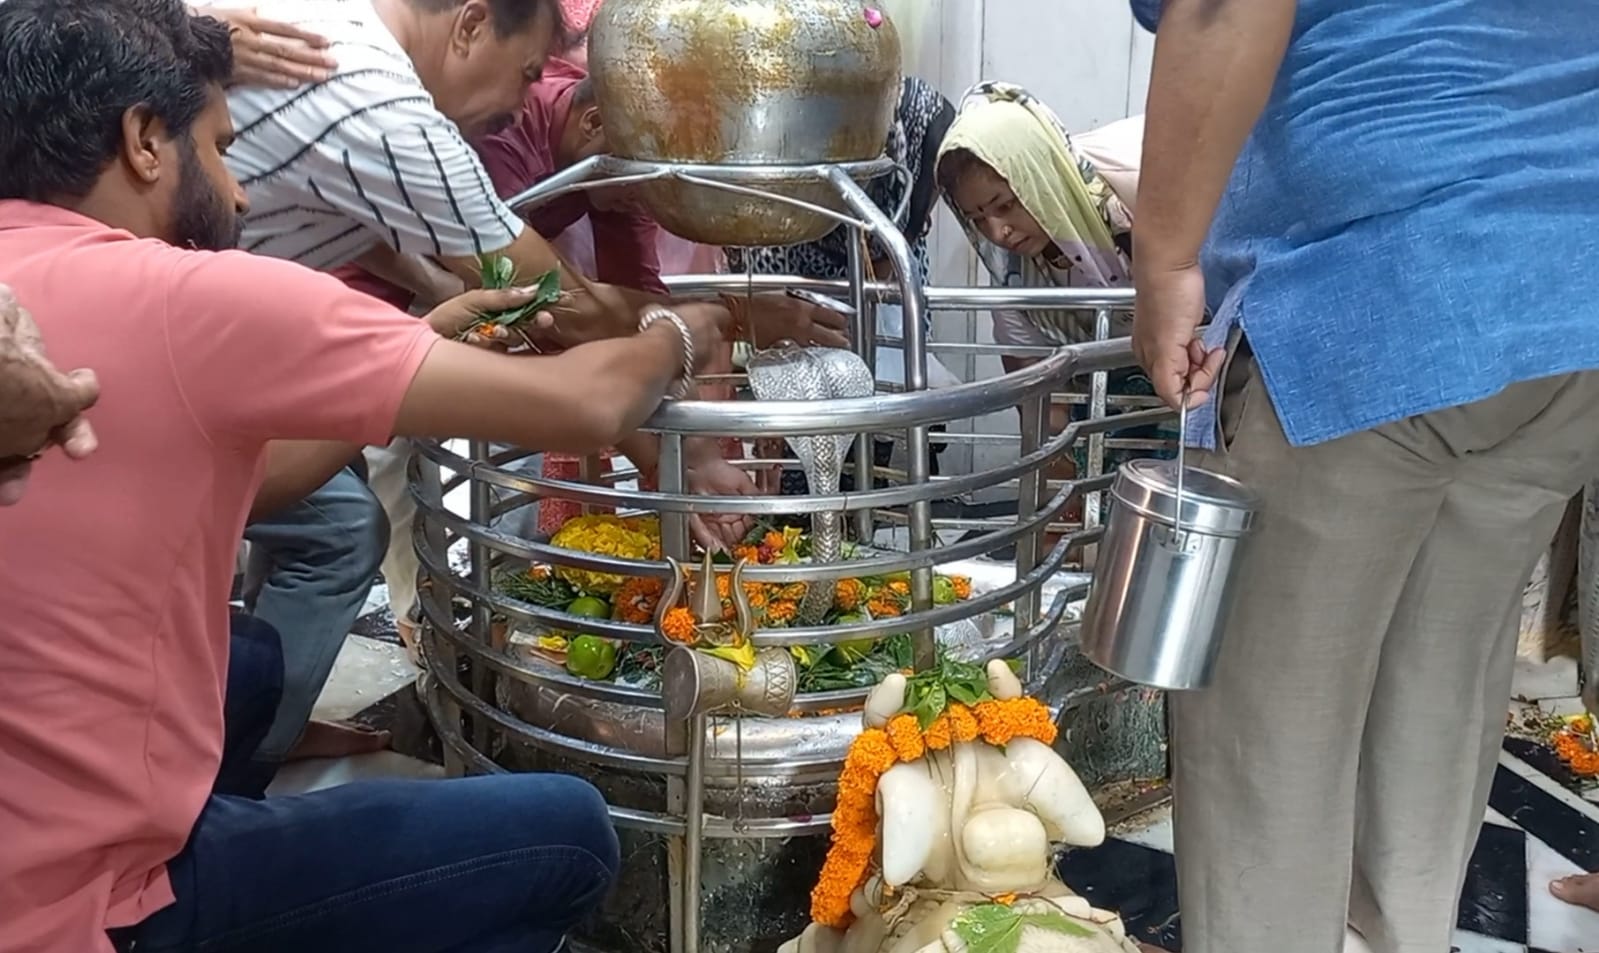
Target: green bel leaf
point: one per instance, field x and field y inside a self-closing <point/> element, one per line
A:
<point x="964" y="693"/>
<point x="995" y="928"/>
<point x="991" y="928"/>
<point x="549" y="289"/>
<point x="1057" y="923"/>
<point x="932" y="705"/>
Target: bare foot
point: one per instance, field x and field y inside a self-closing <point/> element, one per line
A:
<point x="408" y="636"/>
<point x="330" y="739"/>
<point x="1579" y="891"/>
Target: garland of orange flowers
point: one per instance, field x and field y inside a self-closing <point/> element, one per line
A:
<point x="874" y="751"/>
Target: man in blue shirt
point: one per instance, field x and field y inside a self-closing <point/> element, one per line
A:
<point x="1399" y="198"/>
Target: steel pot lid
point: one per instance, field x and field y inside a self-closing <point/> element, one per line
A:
<point x="1212" y="503"/>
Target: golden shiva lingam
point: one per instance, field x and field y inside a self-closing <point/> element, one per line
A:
<point x="715" y="666"/>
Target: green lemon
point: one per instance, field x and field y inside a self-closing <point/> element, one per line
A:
<point x="591" y="657"/>
<point x="590" y="608"/>
<point x="943" y="590"/>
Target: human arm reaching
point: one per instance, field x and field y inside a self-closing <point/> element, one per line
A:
<point x="295" y="469"/>
<point x="40" y="407"/>
<point x="270" y="53"/>
<point x="1215" y="64"/>
<point x="581" y="401"/>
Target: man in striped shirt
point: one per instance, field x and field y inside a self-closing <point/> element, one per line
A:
<point x="371" y="164"/>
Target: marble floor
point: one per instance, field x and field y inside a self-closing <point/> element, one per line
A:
<point x="1537" y="829"/>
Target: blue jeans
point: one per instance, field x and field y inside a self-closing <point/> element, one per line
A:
<point x="312" y="566"/>
<point x="478" y="865"/>
<point x="255" y="687"/>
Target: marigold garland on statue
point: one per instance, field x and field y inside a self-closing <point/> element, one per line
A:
<point x="875" y="750"/>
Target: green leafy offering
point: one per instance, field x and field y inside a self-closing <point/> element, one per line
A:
<point x="928" y="693"/>
<point x="824" y="670"/>
<point x="547" y="589"/>
<point x="498" y="272"/>
<point x="995" y="928"/>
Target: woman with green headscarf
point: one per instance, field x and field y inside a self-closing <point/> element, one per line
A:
<point x="1045" y="208"/>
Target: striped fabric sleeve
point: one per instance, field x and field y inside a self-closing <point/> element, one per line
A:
<point x="420" y="188"/>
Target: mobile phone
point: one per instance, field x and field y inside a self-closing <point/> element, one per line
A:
<point x="822" y="301"/>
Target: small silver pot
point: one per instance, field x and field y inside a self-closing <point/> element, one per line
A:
<point x="1166" y="573"/>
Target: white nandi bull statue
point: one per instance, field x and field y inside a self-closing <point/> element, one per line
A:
<point x="964" y="835"/>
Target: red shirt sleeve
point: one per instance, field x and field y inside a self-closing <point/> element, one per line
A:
<point x="265" y="350"/>
<point x="627" y="250"/>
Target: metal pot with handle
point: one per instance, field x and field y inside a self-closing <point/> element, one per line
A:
<point x="1166" y="572"/>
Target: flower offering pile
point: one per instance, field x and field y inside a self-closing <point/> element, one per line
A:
<point x="1577" y="745"/>
<point x="854" y="663"/>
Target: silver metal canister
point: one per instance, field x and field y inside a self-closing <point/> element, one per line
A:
<point x="1166" y="573"/>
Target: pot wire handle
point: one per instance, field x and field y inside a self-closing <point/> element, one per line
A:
<point x="1182" y="465"/>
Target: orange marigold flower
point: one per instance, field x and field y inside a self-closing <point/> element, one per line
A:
<point x="847" y="597"/>
<point x="775" y="540"/>
<point x="883" y="606"/>
<point x="1000" y="722"/>
<point x="1574" y="751"/>
<point x="746" y="553"/>
<point x="724" y="586"/>
<point x="939" y="735"/>
<point x="905" y="734"/>
<point x="635" y="601"/>
<point x="962" y="723"/>
<point x="900" y="587"/>
<point x="780" y="611"/>
<point x="678" y="625"/>
<point x="963" y="587"/>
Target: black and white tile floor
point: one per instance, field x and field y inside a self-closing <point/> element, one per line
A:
<point x="1537" y="830"/>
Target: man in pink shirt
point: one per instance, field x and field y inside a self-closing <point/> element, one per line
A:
<point x="114" y="639"/>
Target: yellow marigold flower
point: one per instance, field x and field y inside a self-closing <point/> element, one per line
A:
<point x="606" y="535"/>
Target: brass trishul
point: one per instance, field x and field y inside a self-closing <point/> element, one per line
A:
<point x="696" y="682"/>
<point x="705" y="605"/>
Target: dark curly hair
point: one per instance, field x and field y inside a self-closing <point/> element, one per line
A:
<point x="70" y="70"/>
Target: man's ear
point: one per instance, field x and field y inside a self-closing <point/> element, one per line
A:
<point x="143" y="132"/>
<point x="471" y="22"/>
<point x="590" y="124"/>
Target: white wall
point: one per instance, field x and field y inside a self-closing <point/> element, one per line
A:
<point x="1086" y="58"/>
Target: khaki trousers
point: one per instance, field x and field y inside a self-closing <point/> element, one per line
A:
<point x="1338" y="770"/>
